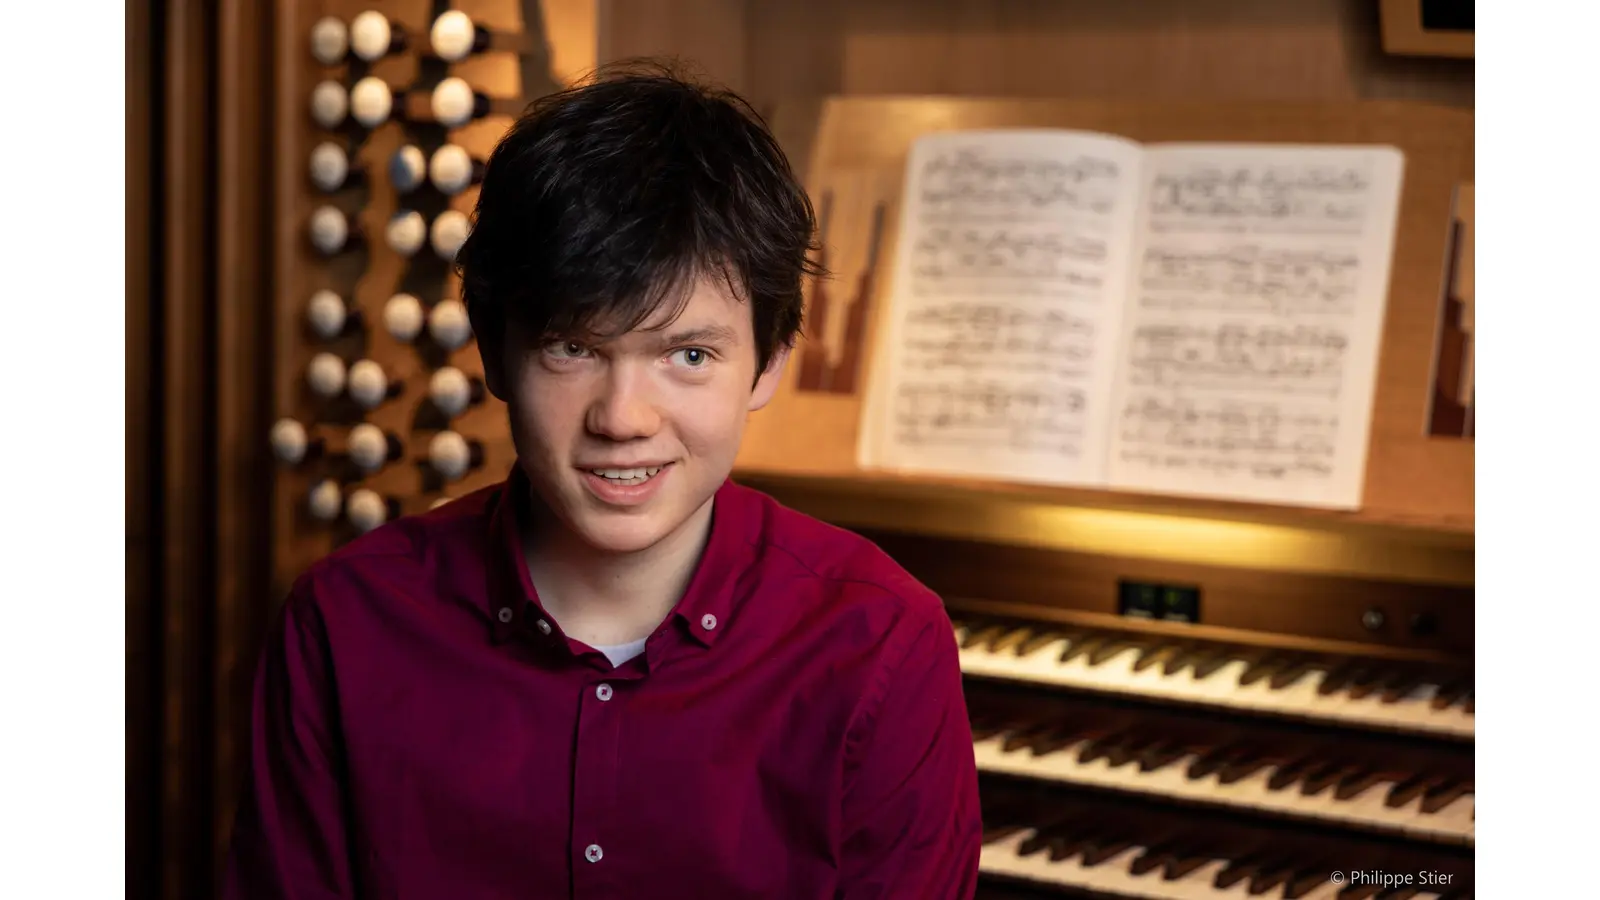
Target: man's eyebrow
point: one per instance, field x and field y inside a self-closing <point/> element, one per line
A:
<point x="705" y="334"/>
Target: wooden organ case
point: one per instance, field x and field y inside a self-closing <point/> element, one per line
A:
<point x="1169" y="699"/>
<point x="1174" y="698"/>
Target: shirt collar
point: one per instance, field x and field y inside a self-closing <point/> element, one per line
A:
<point x="704" y="612"/>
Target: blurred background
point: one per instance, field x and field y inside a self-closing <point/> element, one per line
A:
<point x="1254" y="688"/>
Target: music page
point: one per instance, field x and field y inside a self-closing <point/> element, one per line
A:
<point x="996" y="344"/>
<point x="1255" y="316"/>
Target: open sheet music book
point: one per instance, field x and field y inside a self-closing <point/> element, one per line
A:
<point x="1078" y="309"/>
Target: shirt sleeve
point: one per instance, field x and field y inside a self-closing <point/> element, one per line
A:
<point x="911" y="819"/>
<point x="289" y="839"/>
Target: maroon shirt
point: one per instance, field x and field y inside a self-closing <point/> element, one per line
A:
<point x="794" y="729"/>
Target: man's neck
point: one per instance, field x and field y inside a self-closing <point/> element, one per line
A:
<point x="604" y="598"/>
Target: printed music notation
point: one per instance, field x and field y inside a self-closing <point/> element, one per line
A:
<point x="1310" y="197"/>
<point x="993" y="336"/>
<point x="986" y="415"/>
<point x="1224" y="436"/>
<point x="1041" y="261"/>
<point x="1249" y="278"/>
<point x="968" y="182"/>
<point x="1276" y="359"/>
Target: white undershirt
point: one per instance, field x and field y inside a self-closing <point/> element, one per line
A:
<point x="621" y="653"/>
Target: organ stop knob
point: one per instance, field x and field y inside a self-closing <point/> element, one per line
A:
<point x="452" y="169"/>
<point x="367" y="510"/>
<point x="330" y="103"/>
<point x="452" y="391"/>
<point x="290" y="444"/>
<point x="371" y="101"/>
<point x="449" y="325"/>
<point x="453" y="455"/>
<point x="330" y="40"/>
<point x="405" y="232"/>
<point x="324" y="500"/>
<point x="326" y="375"/>
<point x="449" y="232"/>
<point x="373" y="36"/>
<point x="369" y="386"/>
<point x="330" y="166"/>
<point x="402" y="317"/>
<point x="326" y="314"/>
<point x="370" y="447"/>
<point x="407" y="168"/>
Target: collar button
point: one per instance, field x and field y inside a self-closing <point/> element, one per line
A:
<point x="505" y="615"/>
<point x="708" y="621"/>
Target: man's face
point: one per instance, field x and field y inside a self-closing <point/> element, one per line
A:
<point x="671" y="401"/>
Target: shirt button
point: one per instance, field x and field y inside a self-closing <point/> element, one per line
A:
<point x="505" y="615"/>
<point x="593" y="853"/>
<point x="708" y="621"/>
<point x="603" y="692"/>
<point x="544" y="626"/>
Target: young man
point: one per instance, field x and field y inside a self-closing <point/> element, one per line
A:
<point x="618" y="674"/>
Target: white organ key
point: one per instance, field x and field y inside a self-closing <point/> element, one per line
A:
<point x="326" y="375"/>
<point x="449" y="325"/>
<point x="330" y="40"/>
<point x="402" y="317"/>
<point x="1412" y="713"/>
<point x="405" y="232"/>
<point x="330" y="103"/>
<point x="371" y="101"/>
<point x="449" y="232"/>
<point x="326" y="314"/>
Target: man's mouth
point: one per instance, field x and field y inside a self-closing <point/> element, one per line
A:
<point x="627" y="477"/>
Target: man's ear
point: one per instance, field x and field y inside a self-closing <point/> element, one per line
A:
<point x="767" y="384"/>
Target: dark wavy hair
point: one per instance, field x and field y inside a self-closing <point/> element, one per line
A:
<point x="607" y="200"/>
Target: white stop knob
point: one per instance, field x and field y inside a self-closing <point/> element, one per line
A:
<point x="330" y="103"/>
<point x="330" y="166"/>
<point x="405" y="232"/>
<point x="370" y="35"/>
<point x="368" y="385"/>
<point x="407" y="168"/>
<point x="326" y="314"/>
<point x="452" y="102"/>
<point x="369" y="449"/>
<point x="324" y="500"/>
<point x="452" y="36"/>
<point x="371" y="101"/>
<point x="366" y="510"/>
<point x="450" y="390"/>
<point x="449" y="453"/>
<point x="330" y="40"/>
<point x="402" y="317"/>
<point x="329" y="229"/>
<point x="450" y="170"/>
<point x="449" y="325"/>
<point x="326" y="375"/>
<point x="449" y="233"/>
<point x="289" y="441"/>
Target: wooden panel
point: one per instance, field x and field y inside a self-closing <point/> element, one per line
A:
<point x="1404" y="33"/>
<point x="1411" y="479"/>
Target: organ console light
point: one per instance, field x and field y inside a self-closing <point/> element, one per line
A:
<point x="449" y="325"/>
<point x="369" y="385"/>
<point x="324" y="501"/>
<point x="332" y="231"/>
<point x="452" y="391"/>
<point x="327" y="315"/>
<point x="448" y="233"/>
<point x="290" y="443"/>
<point x="330" y="167"/>
<point x="326" y="375"/>
<point x="452" y="169"/>
<point x="408" y="168"/>
<point x="374" y="36"/>
<point x="371" y="101"/>
<point x="453" y="456"/>
<point x="405" y="232"/>
<point x="330" y="103"/>
<point x="370" y="447"/>
<point x="403" y="317"/>
<point x="367" y="509"/>
<point x="330" y="40"/>
<point x="455" y="36"/>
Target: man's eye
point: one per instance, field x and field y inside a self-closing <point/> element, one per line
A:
<point x="694" y="357"/>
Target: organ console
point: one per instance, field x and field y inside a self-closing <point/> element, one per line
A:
<point x="367" y="509"/>
<point x="452" y="455"/>
<point x="449" y="325"/>
<point x="455" y="36"/>
<point x="452" y="169"/>
<point x="453" y="392"/>
<point x="402" y="317"/>
<point x="370" y="385"/>
<point x="448" y="233"/>
<point x="374" y="36"/>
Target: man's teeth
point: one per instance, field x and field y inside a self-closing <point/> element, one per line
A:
<point x="627" y="476"/>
